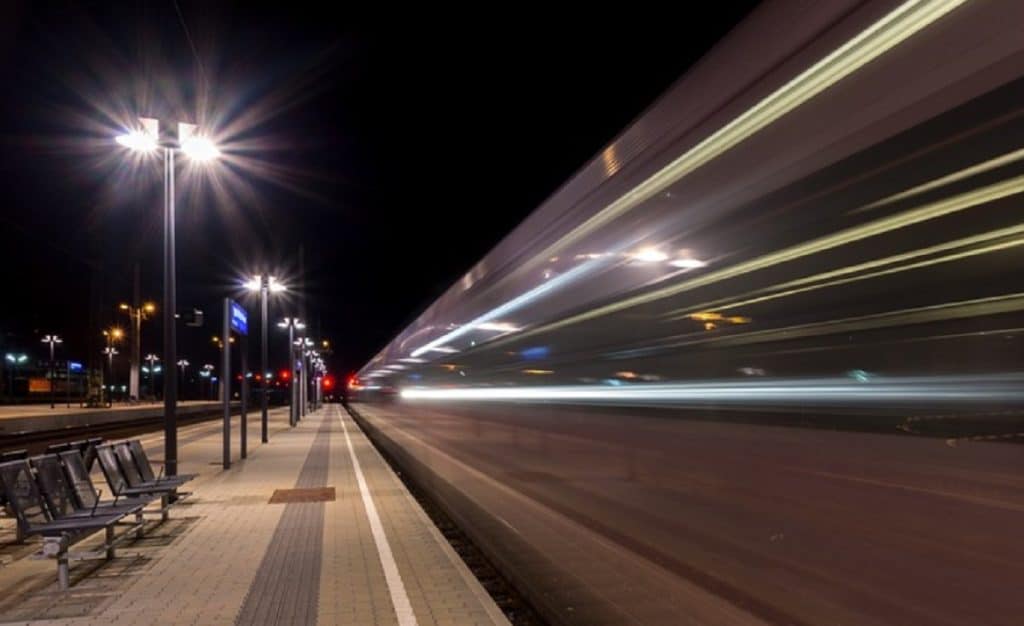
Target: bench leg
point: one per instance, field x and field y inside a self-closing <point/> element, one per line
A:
<point x="110" y="543"/>
<point x="56" y="547"/>
<point x="163" y="508"/>
<point x="141" y="521"/>
<point x="63" y="573"/>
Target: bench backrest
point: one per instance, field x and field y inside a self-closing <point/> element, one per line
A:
<point x="13" y="455"/>
<point x="23" y="494"/>
<point x="141" y="460"/>
<point x="89" y="451"/>
<point x="57" y="493"/>
<point x="111" y="470"/>
<point x="78" y="478"/>
<point x="57" y="448"/>
<point x="128" y="466"/>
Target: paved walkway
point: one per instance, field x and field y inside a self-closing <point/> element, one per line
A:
<point x="348" y="546"/>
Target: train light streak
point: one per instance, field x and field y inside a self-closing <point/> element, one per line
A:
<point x="860" y="389"/>
<point x="891" y="30"/>
<point x="528" y="298"/>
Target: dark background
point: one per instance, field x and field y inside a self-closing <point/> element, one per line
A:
<point x="397" y="150"/>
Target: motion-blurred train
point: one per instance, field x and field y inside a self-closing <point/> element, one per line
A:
<point x="760" y="359"/>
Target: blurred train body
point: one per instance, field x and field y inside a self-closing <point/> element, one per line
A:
<point x="759" y="361"/>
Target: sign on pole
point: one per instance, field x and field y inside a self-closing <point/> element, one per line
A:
<point x="239" y="319"/>
<point x="235" y="319"/>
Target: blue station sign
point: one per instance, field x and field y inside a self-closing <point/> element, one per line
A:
<point x="239" y="319"/>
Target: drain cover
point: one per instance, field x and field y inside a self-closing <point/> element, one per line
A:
<point x="316" y="494"/>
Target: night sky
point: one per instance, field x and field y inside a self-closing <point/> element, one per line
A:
<point x="396" y="150"/>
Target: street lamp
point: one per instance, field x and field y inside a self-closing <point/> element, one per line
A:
<point x="52" y="340"/>
<point x="292" y="324"/>
<point x="314" y="369"/>
<point x="15" y="360"/>
<point x="183" y="363"/>
<point x="199" y="149"/>
<point x="307" y="357"/>
<point x="136" y="314"/>
<point x="321" y="370"/>
<point x="110" y="351"/>
<point x="217" y="341"/>
<point x="112" y="335"/>
<point x="207" y="372"/>
<point x="266" y="285"/>
<point x="297" y="375"/>
<point x="152" y="359"/>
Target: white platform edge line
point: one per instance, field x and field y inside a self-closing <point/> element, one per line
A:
<point x="485" y="599"/>
<point x="396" y="588"/>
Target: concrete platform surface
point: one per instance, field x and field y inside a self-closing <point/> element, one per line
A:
<point x="343" y="543"/>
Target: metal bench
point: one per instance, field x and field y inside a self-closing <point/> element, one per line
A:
<point x="116" y="477"/>
<point x="85" y="493"/>
<point x="132" y="453"/>
<point x="34" y="518"/>
<point x="88" y="450"/>
<point x="13" y="455"/>
<point x="57" y="448"/>
<point x="83" y="446"/>
<point x="6" y="457"/>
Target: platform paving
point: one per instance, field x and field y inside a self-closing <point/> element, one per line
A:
<point x="362" y="553"/>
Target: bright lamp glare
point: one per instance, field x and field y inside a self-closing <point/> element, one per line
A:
<point x="253" y="284"/>
<point x="650" y="255"/>
<point x="138" y="141"/>
<point x="688" y="264"/>
<point x="200" y="149"/>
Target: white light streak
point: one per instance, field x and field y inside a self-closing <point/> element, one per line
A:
<point x="512" y="305"/>
<point x="888" y="391"/>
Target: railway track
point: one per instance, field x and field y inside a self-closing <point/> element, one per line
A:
<point x="37" y="441"/>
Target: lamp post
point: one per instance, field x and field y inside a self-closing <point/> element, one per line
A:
<point x="266" y="285"/>
<point x="182" y="364"/>
<point x="112" y="335"/>
<point x="308" y="355"/>
<point x="110" y="351"/>
<point x="136" y="315"/>
<point x="310" y="379"/>
<point x="152" y="359"/>
<point x="13" y="360"/>
<point x="298" y="367"/>
<point x="321" y="381"/>
<point x="53" y="340"/>
<point x="199" y="149"/>
<point x="292" y="324"/>
<point x="206" y="372"/>
<point x="300" y="346"/>
<point x="219" y="342"/>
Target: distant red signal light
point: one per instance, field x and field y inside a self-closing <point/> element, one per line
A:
<point x="284" y="375"/>
<point x="328" y="382"/>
